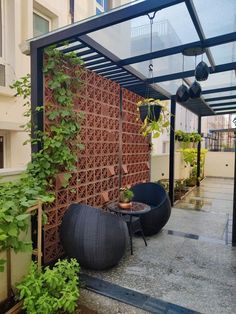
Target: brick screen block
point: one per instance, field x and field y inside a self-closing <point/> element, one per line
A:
<point x="98" y="166"/>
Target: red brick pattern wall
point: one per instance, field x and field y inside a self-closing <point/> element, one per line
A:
<point x="98" y="165"/>
<point x="135" y="148"/>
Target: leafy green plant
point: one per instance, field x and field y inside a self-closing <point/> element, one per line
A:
<point x="51" y="291"/>
<point x="126" y="195"/>
<point x="186" y="138"/>
<point x="190" y="157"/>
<point x="150" y="126"/>
<point x="60" y="143"/>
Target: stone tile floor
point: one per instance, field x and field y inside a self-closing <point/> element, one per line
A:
<point x="199" y="272"/>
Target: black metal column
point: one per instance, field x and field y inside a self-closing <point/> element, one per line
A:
<point x="172" y="151"/>
<point x="234" y="198"/>
<point x="36" y="93"/>
<point x="37" y="98"/>
<point x="199" y="152"/>
<point x="120" y="137"/>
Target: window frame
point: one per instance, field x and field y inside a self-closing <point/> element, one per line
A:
<point x="43" y="16"/>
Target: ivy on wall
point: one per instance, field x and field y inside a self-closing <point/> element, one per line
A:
<point x="56" y="155"/>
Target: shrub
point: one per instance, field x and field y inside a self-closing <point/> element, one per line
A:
<point x="51" y="291"/>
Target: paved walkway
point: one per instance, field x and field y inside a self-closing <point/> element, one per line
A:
<point x="190" y="263"/>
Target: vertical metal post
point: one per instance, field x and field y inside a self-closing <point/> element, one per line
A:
<point x="172" y="151"/>
<point x="37" y="98"/>
<point x="234" y="198"/>
<point x="120" y="136"/>
<point x="199" y="153"/>
<point x="36" y="93"/>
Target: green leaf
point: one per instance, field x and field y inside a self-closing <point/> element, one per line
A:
<point x="22" y="217"/>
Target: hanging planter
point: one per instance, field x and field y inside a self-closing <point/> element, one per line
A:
<point x="155" y="117"/>
<point x="195" y="90"/>
<point x="202" y="71"/>
<point x="150" y="111"/>
<point x="182" y="94"/>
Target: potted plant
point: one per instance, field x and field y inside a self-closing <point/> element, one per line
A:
<point x="125" y="198"/>
<point x="154" y="115"/>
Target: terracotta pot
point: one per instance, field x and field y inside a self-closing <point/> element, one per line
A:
<point x="125" y="205"/>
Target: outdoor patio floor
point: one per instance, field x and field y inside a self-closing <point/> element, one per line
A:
<point x="191" y="262"/>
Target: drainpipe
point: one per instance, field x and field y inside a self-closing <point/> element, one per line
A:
<point x="199" y="153"/>
<point x="172" y="151"/>
<point x="72" y="10"/>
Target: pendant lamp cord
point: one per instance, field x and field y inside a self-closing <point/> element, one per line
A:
<point x="150" y="67"/>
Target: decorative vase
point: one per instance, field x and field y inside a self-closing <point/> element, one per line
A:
<point x="195" y="90"/>
<point x="150" y="111"/>
<point x="202" y="71"/>
<point x="182" y="94"/>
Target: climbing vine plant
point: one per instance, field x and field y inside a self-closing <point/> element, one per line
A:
<point x="59" y="142"/>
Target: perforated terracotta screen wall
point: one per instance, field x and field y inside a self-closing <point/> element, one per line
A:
<point x="102" y="165"/>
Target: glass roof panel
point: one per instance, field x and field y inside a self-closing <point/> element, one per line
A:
<point x="219" y="80"/>
<point x="132" y="38"/>
<point x="166" y="65"/>
<point x="170" y="86"/>
<point x="224" y="53"/>
<point x="217" y="17"/>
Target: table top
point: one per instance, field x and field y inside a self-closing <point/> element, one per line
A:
<point x="136" y="208"/>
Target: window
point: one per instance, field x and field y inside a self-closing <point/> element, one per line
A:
<point x="101" y="6"/>
<point x="41" y="24"/>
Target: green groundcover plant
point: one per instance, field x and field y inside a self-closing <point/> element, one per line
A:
<point x="51" y="291"/>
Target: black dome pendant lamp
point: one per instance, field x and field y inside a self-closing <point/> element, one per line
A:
<point x="202" y="71"/>
<point x="182" y="94"/>
<point x="195" y="89"/>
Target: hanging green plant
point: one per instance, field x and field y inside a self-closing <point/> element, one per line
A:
<point x="182" y="136"/>
<point x="58" y="151"/>
<point x="155" y="117"/>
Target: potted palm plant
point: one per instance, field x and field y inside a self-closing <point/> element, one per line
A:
<point x="154" y="115"/>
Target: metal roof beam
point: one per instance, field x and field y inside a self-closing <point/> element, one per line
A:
<point x="210" y="42"/>
<point x="180" y="75"/>
<point x="104" y="20"/>
<point x="73" y="48"/>
<point x="223" y="104"/>
<point x="84" y="53"/>
<point x="91" y="58"/>
<point x="106" y="71"/>
<point x="106" y="65"/>
<point x="197" y="24"/>
<point x="96" y="62"/>
<point x="226" y="109"/>
<point x="219" y="90"/>
<point x="220" y="98"/>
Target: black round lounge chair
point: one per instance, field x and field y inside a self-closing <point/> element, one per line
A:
<point x="155" y="196"/>
<point x="96" y="239"/>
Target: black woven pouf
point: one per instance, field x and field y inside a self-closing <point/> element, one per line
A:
<point x="96" y="239"/>
<point x="155" y="196"/>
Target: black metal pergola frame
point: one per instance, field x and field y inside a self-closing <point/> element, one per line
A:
<point x="99" y="59"/>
